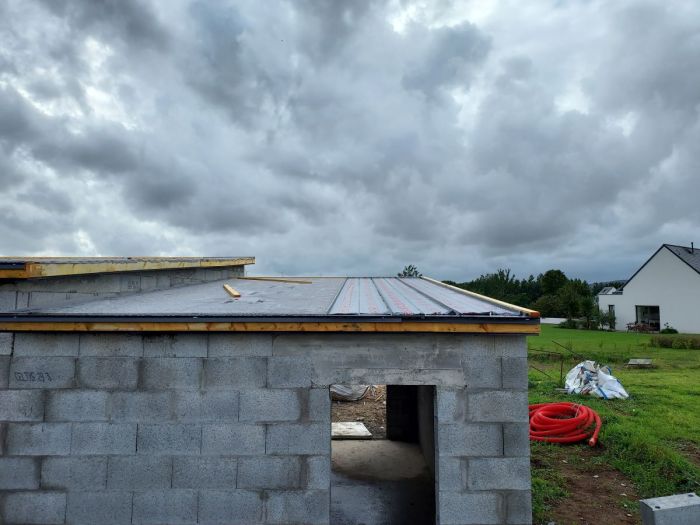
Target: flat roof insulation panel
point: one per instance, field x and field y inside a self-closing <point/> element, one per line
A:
<point x="303" y="300"/>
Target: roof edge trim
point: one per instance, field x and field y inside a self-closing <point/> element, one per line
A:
<point x="371" y="327"/>
<point x="530" y="313"/>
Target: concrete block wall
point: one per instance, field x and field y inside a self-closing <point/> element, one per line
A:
<point x="235" y="428"/>
<point x="53" y="291"/>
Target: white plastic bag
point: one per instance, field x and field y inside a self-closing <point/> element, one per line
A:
<point x="349" y="393"/>
<point x="588" y="377"/>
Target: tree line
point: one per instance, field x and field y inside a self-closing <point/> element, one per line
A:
<point x="551" y="293"/>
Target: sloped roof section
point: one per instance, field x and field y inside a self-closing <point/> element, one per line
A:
<point x="689" y="255"/>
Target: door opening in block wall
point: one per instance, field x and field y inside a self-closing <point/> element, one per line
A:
<point x="389" y="476"/>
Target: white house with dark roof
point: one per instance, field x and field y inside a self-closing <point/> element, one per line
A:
<point x="665" y="289"/>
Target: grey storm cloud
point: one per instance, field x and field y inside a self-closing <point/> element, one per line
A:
<point x="352" y="137"/>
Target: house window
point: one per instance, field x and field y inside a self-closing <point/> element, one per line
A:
<point x="611" y="309"/>
<point x="649" y="315"/>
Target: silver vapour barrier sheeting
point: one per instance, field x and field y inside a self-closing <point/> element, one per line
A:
<point x="325" y="296"/>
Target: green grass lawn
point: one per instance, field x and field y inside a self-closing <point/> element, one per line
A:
<point x="654" y="436"/>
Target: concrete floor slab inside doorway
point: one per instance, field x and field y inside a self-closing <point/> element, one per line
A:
<point x="380" y="482"/>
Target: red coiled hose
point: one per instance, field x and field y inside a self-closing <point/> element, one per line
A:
<point x="564" y="423"/>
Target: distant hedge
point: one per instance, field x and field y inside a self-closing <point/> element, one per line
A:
<point x="676" y="341"/>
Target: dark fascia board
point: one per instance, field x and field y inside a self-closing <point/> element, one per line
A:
<point x="654" y="255"/>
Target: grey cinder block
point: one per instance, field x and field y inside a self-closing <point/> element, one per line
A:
<point x="514" y="372"/>
<point x="309" y="507"/>
<point x="103" y="439"/>
<point x="482" y="371"/>
<point x="498" y="405"/>
<point x="148" y="283"/>
<point x="8" y="302"/>
<point x="319" y="404"/>
<point x="516" y="439"/>
<point x="22" y="300"/>
<point x="451" y="473"/>
<point x="76" y="405"/>
<point x="110" y="373"/>
<point x="175" y="345"/>
<point x="269" y="472"/>
<point x="196" y="407"/>
<point x="38" y="439"/>
<point x="43" y="344"/>
<point x="6" y="339"/>
<point x="510" y="345"/>
<point x="327" y="375"/>
<point x="235" y="373"/>
<point x="111" y="345"/>
<point x="233" y="507"/>
<point x="289" y="372"/>
<point x="165" y="506"/>
<point x="240" y="345"/>
<point x="21" y="405"/>
<point x="458" y="508"/>
<point x="42" y="372"/>
<point x="4" y="371"/>
<point x="269" y="405"/>
<point x="141" y="406"/>
<point x="233" y="439"/>
<point x="470" y="439"/>
<point x="169" y="439"/>
<point x="171" y="373"/>
<point x="19" y="473"/>
<point x="105" y="508"/>
<point x="139" y="472"/>
<point x="129" y="283"/>
<point x="74" y="473"/>
<point x="195" y="472"/>
<point x="678" y="509"/>
<point x="519" y="508"/>
<point x="451" y="405"/>
<point x="318" y="472"/>
<point x="291" y="438"/>
<point x="34" y="507"/>
<point x="498" y="473"/>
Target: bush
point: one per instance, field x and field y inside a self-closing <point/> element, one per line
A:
<point x="569" y="323"/>
<point x="680" y="342"/>
<point x="668" y="329"/>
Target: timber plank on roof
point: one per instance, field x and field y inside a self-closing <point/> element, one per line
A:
<point x="33" y="267"/>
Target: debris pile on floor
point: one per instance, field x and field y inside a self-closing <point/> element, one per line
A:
<point x="589" y="377"/>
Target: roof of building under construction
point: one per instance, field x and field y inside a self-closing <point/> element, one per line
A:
<point x="288" y="304"/>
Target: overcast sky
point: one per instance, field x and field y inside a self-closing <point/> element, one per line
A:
<point x="353" y="137"/>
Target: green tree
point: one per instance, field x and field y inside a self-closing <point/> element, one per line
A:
<point x="552" y="281"/>
<point x="409" y="271"/>
<point x="574" y="297"/>
<point x="548" y="306"/>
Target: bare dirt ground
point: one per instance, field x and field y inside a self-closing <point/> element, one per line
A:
<point x="597" y="492"/>
<point x="371" y="411"/>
